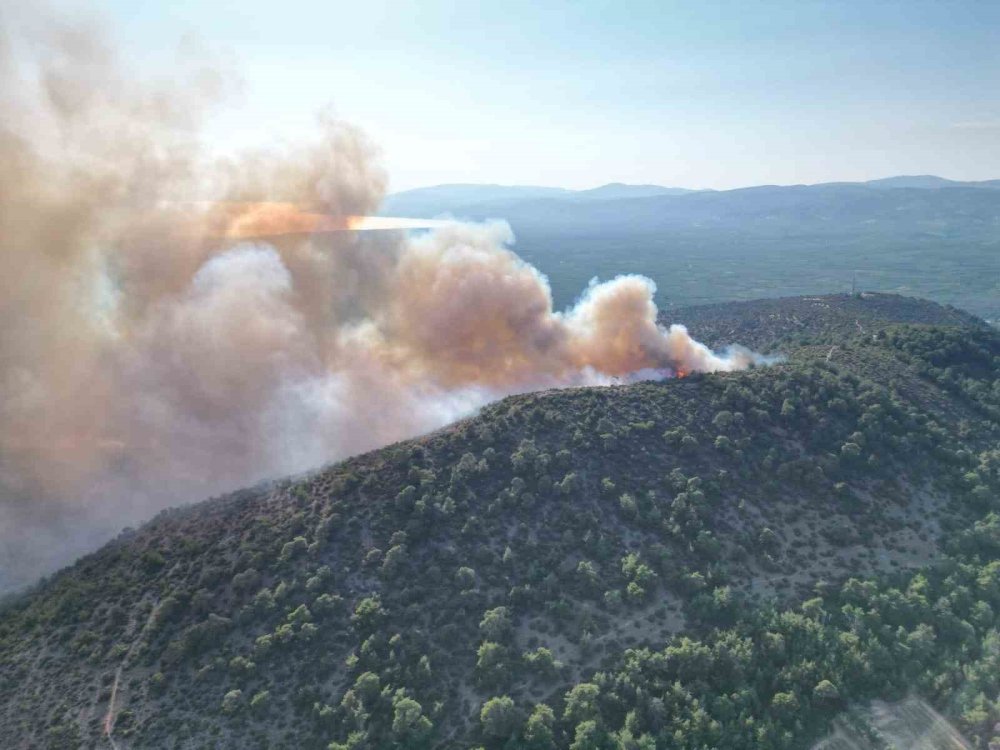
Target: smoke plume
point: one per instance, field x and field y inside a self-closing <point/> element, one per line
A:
<point x="152" y="351"/>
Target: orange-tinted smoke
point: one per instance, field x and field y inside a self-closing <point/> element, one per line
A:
<point x="174" y="325"/>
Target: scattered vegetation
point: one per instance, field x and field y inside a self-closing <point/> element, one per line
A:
<point x="717" y="561"/>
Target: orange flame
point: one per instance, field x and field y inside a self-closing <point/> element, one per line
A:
<point x="272" y="219"/>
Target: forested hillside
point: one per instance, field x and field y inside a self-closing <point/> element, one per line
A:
<point x="722" y="560"/>
<point x="791" y="322"/>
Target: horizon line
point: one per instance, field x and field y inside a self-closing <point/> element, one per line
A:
<point x="614" y="183"/>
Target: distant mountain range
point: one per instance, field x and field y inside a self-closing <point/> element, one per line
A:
<point x="444" y="198"/>
<point x="472" y="199"/>
<point x="920" y="235"/>
<point x="927" y="181"/>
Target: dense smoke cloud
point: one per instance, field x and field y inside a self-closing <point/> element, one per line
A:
<point x="150" y="353"/>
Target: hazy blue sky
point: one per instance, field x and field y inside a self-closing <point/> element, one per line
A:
<point x="696" y="94"/>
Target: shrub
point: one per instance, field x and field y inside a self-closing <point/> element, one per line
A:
<point x="232" y="702"/>
<point x="496" y="624"/>
<point x="260" y="703"/>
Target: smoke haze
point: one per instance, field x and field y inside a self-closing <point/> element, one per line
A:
<point x="152" y="353"/>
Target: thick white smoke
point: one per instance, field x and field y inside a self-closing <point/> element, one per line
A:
<point x="151" y="354"/>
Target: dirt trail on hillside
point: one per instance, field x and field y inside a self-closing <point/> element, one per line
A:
<point x="112" y="713"/>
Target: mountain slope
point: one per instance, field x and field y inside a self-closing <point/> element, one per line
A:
<point x="616" y="555"/>
<point x="770" y="324"/>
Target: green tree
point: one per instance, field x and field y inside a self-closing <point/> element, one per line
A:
<point x="581" y="703"/>
<point x="466" y="577"/>
<point x="498" y="717"/>
<point x="542" y="661"/>
<point x="826" y="692"/>
<point x="785" y="704"/>
<point x="539" y="732"/>
<point x="260" y="703"/>
<point x="368" y="613"/>
<point x="409" y="725"/>
<point x="588" y="736"/>
<point x="355" y="741"/>
<point x="232" y="702"/>
<point x="367" y="686"/>
<point x="491" y="663"/>
<point x="496" y="624"/>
